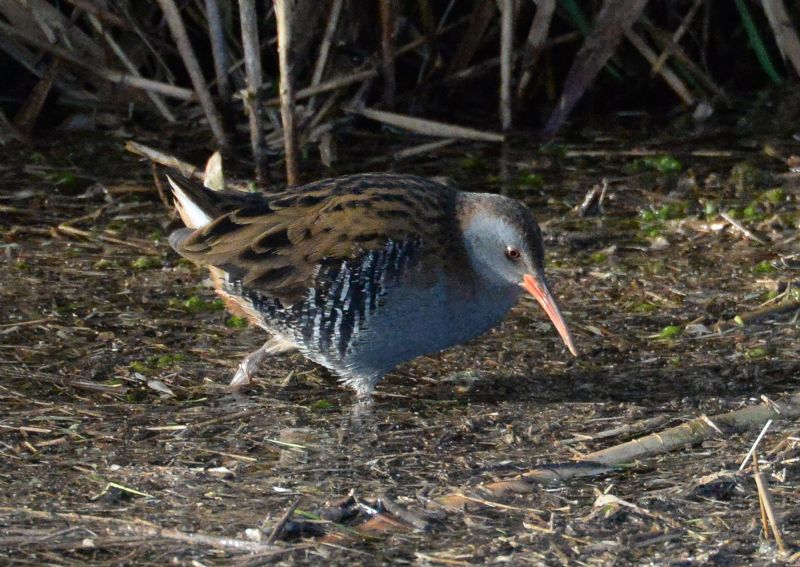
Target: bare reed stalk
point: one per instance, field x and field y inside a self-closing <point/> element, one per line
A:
<point x="325" y="46"/>
<point x="26" y="117"/>
<point x="181" y="38"/>
<point x="784" y="30"/>
<point x="252" y="98"/>
<point x="534" y="44"/>
<point x="219" y="50"/>
<point x="387" y="51"/>
<point x="283" y="17"/>
<point x="767" y="506"/>
<point x="676" y="37"/>
<point x="506" y="59"/>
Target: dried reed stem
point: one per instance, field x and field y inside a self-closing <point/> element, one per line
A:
<point x="765" y="498"/>
<point x="535" y="43"/>
<point x="252" y="96"/>
<point x="387" y="51"/>
<point x="219" y="50"/>
<point x="283" y="19"/>
<point x="325" y="45"/>
<point x="178" y="31"/>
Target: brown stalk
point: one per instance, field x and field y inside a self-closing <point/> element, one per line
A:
<point x="676" y="37"/>
<point x="26" y="117"/>
<point x="283" y="19"/>
<point x="479" y="20"/>
<point x="277" y="530"/>
<point x="767" y="506"/>
<point x="537" y="35"/>
<point x="252" y="96"/>
<point x="156" y="156"/>
<point x="785" y="32"/>
<point x="664" y="42"/>
<point x="219" y="50"/>
<point x="387" y="51"/>
<point x="178" y="30"/>
<point x="325" y="45"/>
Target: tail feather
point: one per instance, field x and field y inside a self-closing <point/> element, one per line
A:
<point x="192" y="204"/>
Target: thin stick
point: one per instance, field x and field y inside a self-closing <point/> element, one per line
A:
<point x="428" y="127"/>
<point x="178" y="30"/>
<point x="506" y="59"/>
<point x="219" y="50"/>
<point x="252" y="97"/>
<point x="283" y="19"/>
<point x="740" y="227"/>
<point x="278" y="528"/>
<point x="755" y="445"/>
<point x="387" y="51"/>
<point x="765" y="498"/>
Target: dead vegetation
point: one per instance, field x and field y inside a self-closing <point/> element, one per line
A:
<point x="294" y="74"/>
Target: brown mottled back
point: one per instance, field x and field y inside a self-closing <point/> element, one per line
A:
<point x="276" y="244"/>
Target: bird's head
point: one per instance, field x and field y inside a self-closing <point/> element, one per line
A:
<point x="504" y="244"/>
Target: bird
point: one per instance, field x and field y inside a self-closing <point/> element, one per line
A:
<point x="363" y="272"/>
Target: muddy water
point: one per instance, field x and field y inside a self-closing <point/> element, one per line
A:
<point x="115" y="354"/>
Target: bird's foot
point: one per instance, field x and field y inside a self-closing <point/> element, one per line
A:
<point x="250" y="363"/>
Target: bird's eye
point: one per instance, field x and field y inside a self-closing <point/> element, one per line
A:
<point x="513" y="253"/>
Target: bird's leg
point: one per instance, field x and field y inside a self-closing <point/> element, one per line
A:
<point x="250" y="363"/>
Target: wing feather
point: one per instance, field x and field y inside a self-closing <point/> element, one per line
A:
<point x="276" y="246"/>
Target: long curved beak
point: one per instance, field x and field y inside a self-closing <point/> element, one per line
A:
<point x="537" y="287"/>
